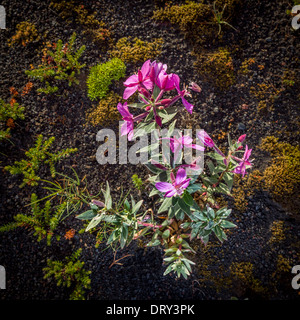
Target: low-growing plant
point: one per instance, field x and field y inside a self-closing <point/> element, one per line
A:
<point x="70" y="11"/>
<point x="175" y="218"/>
<point x="102" y="75"/>
<point x="61" y="64"/>
<point x="70" y="273"/>
<point x="199" y="20"/>
<point x="9" y="111"/>
<point x="136" y="50"/>
<point x="137" y="182"/>
<point x="105" y="112"/>
<point x="43" y="221"/>
<point x="35" y="157"/>
<point x="217" y="67"/>
<point x="281" y="177"/>
<point x="26" y="33"/>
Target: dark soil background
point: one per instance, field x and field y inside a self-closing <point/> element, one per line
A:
<point x="265" y="34"/>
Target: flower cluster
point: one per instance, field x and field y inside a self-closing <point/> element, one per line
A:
<point x="151" y="82"/>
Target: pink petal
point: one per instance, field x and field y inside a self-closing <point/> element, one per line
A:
<point x="164" y="186"/>
<point x="171" y="193"/>
<point x="186" y="140"/>
<point x="148" y="83"/>
<point x="189" y="107"/>
<point x="123" y="109"/>
<point x="185" y="184"/>
<point x="176" y="81"/>
<point x="181" y="176"/>
<point x="131" y="81"/>
<point x="145" y="68"/>
<point x="129" y="91"/>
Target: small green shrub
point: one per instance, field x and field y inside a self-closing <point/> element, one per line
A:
<point x="136" y="50"/>
<point x="42" y="221"/>
<point x="102" y="75"/>
<point x="70" y="273"/>
<point x="61" y="64"/>
<point x="35" y="157"/>
<point x="137" y="182"/>
<point x="9" y="111"/>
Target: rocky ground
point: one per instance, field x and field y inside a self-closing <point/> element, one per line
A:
<point x="264" y="33"/>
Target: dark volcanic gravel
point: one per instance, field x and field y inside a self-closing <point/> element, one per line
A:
<point x="264" y="34"/>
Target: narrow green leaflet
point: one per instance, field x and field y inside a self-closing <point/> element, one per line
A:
<point x="87" y="215"/>
<point x="167" y="202"/>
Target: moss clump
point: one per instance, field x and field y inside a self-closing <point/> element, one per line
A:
<point x="243" y="271"/>
<point x="194" y="19"/>
<point x="282" y="177"/>
<point x="244" y="187"/>
<point x="197" y="20"/>
<point x="277" y="231"/>
<point x="71" y="11"/>
<point x="217" y="67"/>
<point x="106" y="111"/>
<point x="136" y="50"/>
<point x="26" y="33"/>
<point x="102" y="75"/>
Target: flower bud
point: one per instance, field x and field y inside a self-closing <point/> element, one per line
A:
<point x="165" y="102"/>
<point x="195" y="87"/>
<point x="242" y="138"/>
<point x="240" y="148"/>
<point x="148" y="108"/>
<point x="145" y="93"/>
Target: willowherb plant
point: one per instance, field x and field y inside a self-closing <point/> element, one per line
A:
<point x="176" y="217"/>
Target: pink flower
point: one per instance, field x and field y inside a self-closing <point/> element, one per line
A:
<point x="206" y="139"/>
<point x="177" y="144"/>
<point x="155" y="69"/>
<point x="165" y="81"/>
<point x="242" y="166"/>
<point x="127" y="127"/>
<point x="182" y="93"/>
<point x="136" y="81"/>
<point x="177" y="186"/>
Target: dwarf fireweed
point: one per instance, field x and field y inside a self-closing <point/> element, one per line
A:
<point x="184" y="193"/>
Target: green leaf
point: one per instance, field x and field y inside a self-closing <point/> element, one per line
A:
<point x="154" y="243"/>
<point x="166" y="234"/>
<point x="137" y="105"/>
<point x="215" y="155"/>
<point x="156" y="92"/>
<point x="188" y="199"/>
<point x="153" y="192"/>
<point x="94" y="222"/>
<point x="210" y="213"/>
<point x="171" y="128"/>
<point x="87" y="215"/>
<point x="107" y="196"/>
<point x="194" y="188"/>
<point x="227" y="224"/>
<point x="186" y="208"/>
<point x="124" y="232"/>
<point x="165" y="205"/>
<point x="179" y="214"/>
<point x="126" y="205"/>
<point x="137" y="206"/>
<point x="228" y="177"/>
